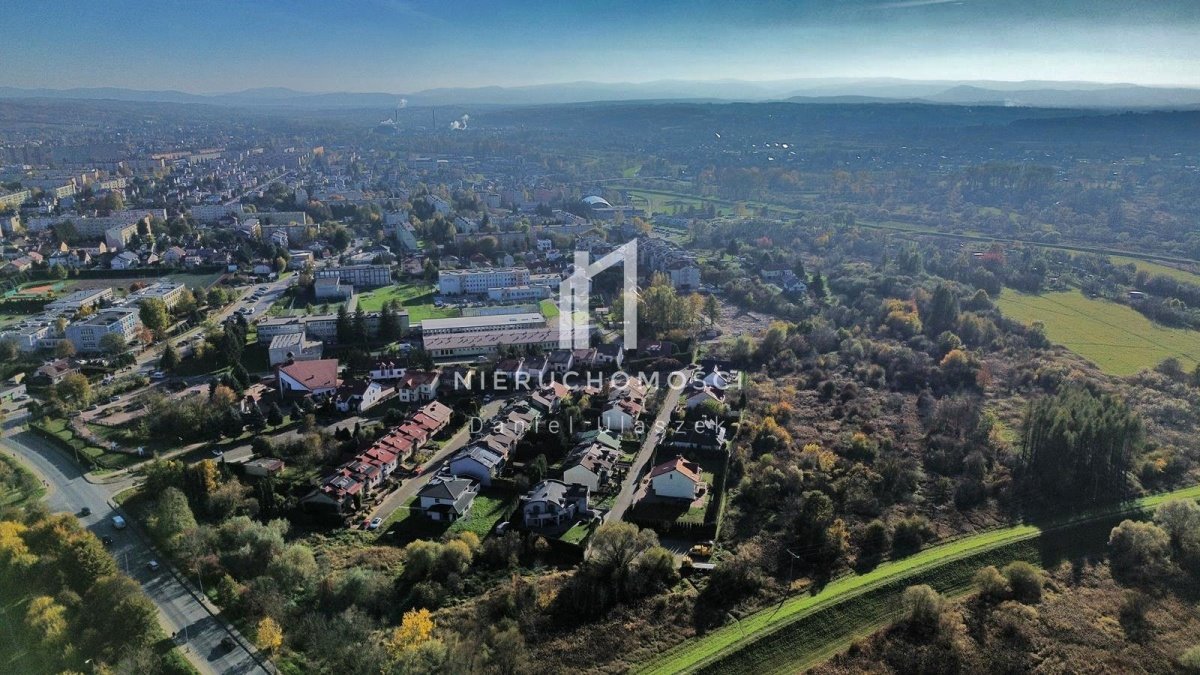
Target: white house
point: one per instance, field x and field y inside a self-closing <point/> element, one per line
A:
<point x="590" y="465"/>
<point x="620" y="416"/>
<point x="124" y="260"/>
<point x="477" y="462"/>
<point x="677" y="479"/>
<point x="418" y="385"/>
<point x="701" y="397"/>
<point x="360" y="395"/>
<point x="552" y="503"/>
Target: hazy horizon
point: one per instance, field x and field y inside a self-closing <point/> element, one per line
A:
<point x="401" y="46"/>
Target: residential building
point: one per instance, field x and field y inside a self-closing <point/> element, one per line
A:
<point x="358" y="396"/>
<point x="477" y="462"/>
<point x="264" y="466"/>
<point x="124" y="260"/>
<point x="591" y="465"/>
<point x="553" y="503"/>
<point x="677" y="479"/>
<point x="417" y="385"/>
<point x="447" y="498"/>
<point x="56" y="370"/>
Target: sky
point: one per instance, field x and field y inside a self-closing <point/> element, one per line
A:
<point x="403" y="46"/>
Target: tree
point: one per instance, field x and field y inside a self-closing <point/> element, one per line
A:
<point x="113" y="344"/>
<point x="991" y="584"/>
<point x="360" y="326"/>
<point x="274" y="415"/>
<point x="1077" y="446"/>
<point x="344" y="330"/>
<point x="922" y="609"/>
<point x="172" y="517"/>
<point x="268" y="635"/>
<point x="416" y="628"/>
<point x="154" y="315"/>
<point x="817" y="285"/>
<point x="64" y="350"/>
<point x="712" y="309"/>
<point x="47" y="619"/>
<point x="1138" y="551"/>
<point x="170" y="358"/>
<point x="942" y="314"/>
<point x="76" y="389"/>
<point x="1025" y="580"/>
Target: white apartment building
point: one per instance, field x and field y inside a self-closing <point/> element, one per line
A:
<point x="86" y="335"/>
<point x="359" y="276"/>
<point x="478" y="281"/>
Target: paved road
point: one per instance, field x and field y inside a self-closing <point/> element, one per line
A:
<point x="653" y="437"/>
<point x="198" y="631"/>
<point x="411" y="486"/>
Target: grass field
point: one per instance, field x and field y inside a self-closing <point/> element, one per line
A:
<point x="802" y="631"/>
<point x="417" y="298"/>
<point x="1116" y="338"/>
<point x="100" y="457"/>
<point x="549" y="309"/>
<point x="17" y="484"/>
<point x="659" y="201"/>
<point x="1157" y="269"/>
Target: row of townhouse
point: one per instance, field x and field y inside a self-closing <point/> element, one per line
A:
<point x="346" y="488"/>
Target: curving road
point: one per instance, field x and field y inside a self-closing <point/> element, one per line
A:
<point x="198" y="630"/>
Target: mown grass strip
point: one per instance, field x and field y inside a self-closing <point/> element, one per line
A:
<point x="945" y="567"/>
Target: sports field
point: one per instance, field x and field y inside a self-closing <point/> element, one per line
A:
<point x="1116" y="338"/>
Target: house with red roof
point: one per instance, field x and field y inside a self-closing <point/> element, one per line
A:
<point x="308" y="378"/>
<point x="677" y="479"/>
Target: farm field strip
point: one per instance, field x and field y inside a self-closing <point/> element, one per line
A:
<point x="1117" y="338"/>
<point x="730" y="639"/>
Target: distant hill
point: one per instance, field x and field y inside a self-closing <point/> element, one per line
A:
<point x="821" y="90"/>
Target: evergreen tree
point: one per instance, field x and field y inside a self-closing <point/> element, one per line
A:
<point x="360" y="326"/>
<point x="817" y="285"/>
<point x="274" y="415"/>
<point x="1077" y="447"/>
<point x="942" y="314"/>
<point x="345" y="332"/>
<point x="169" y="360"/>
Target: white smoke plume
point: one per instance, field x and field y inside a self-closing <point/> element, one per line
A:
<point x="460" y="123"/>
<point x="402" y="104"/>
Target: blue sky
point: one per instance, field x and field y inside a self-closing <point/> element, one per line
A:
<point x="408" y="45"/>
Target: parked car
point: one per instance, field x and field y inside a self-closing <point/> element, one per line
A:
<point x="502" y="527"/>
<point x="375" y="523"/>
<point x="118" y="522"/>
<point x="157" y="375"/>
<point x="153" y="565"/>
<point x="85" y="512"/>
<point x="114" y="398"/>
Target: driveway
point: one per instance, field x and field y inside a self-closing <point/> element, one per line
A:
<point x="653" y="438"/>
